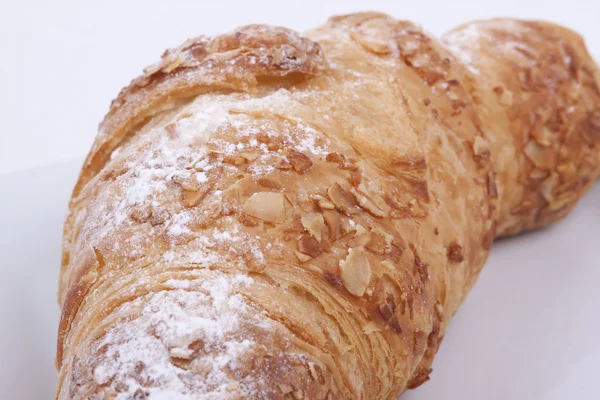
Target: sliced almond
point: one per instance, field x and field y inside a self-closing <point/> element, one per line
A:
<point x="299" y="161"/>
<point x="355" y="272"/>
<point x="538" y="174"/>
<point x="234" y="159"/>
<point x="326" y="205"/>
<point x="189" y="183"/>
<point x="231" y="386"/>
<point x="342" y="161"/>
<point x="248" y="156"/>
<point x="248" y="220"/>
<point x="542" y="157"/>
<point x="388" y="264"/>
<point x="182" y="353"/>
<point x="310" y="246"/>
<point x="298" y="394"/>
<point x="335" y="157"/>
<point x="361" y="237"/>
<point x="367" y="204"/>
<point x="355" y="178"/>
<point x="270" y="183"/>
<point x="267" y="206"/>
<point x="547" y="187"/>
<point x="360" y="230"/>
<point x="313" y="222"/>
<point x="140" y="214"/>
<point x="279" y="163"/>
<point x="567" y="171"/>
<point x="380" y="241"/>
<point x="338" y="224"/>
<point x="371" y="43"/>
<point x="192" y="198"/>
<point x="562" y="201"/>
<point x="543" y="136"/>
<point x="302" y="257"/>
<point x="159" y="216"/>
<point x="343" y="200"/>
<point x="171" y="62"/>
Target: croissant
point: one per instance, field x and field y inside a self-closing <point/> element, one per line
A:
<point x="265" y="214"/>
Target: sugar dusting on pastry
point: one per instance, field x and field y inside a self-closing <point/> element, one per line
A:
<point x="180" y="343"/>
<point x="340" y="171"/>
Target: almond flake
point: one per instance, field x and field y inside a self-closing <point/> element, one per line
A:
<point x="380" y="242"/>
<point x="326" y="205"/>
<point x="367" y="204"/>
<point x="355" y="272"/>
<point x="189" y="183"/>
<point x="360" y="230"/>
<point x="338" y="224"/>
<point x="192" y="198"/>
<point x="567" y="171"/>
<point x="342" y="200"/>
<point x="542" y="157"/>
<point x="268" y="206"/>
<point x="159" y="216"/>
<point x="302" y="257"/>
<point x="171" y="62"/>
<point x="361" y="237"/>
<point x="310" y="246"/>
<point x="371" y="43"/>
<point x="270" y="183"/>
<point x="547" y="187"/>
<point x="538" y="174"/>
<point x="249" y="157"/>
<point x="299" y="161"/>
<point x="543" y="136"/>
<point x="313" y="223"/>
<point x="140" y="214"/>
<point x="388" y="264"/>
<point x="182" y="353"/>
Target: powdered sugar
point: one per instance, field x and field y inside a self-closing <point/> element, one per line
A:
<point x="171" y="154"/>
<point x="181" y="344"/>
<point x="141" y="212"/>
<point x="470" y="36"/>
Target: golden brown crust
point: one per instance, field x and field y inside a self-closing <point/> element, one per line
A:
<point x="546" y="88"/>
<point x="230" y="62"/>
<point x="270" y="215"/>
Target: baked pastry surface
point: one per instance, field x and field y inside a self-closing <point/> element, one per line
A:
<point x="266" y="214"/>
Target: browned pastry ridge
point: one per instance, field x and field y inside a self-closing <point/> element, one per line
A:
<point x="266" y="214"/>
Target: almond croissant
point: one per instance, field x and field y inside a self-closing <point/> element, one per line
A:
<point x="266" y="214"/>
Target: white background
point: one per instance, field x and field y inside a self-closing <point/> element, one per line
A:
<point x="529" y="330"/>
<point x="61" y="62"/>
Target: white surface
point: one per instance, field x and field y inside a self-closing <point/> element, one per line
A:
<point x="528" y="330"/>
<point x="62" y="61"/>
